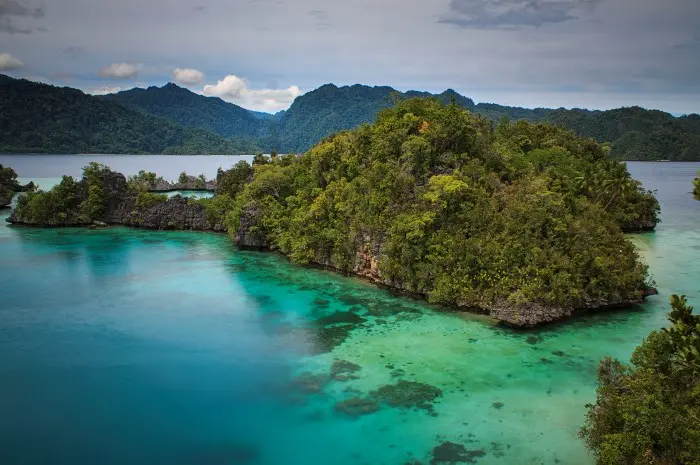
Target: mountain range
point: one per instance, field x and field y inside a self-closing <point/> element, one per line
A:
<point x="172" y="119"/>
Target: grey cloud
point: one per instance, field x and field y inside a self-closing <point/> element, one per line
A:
<point x="6" y="25"/>
<point x="73" y="52"/>
<point x="321" y="18"/>
<point x="509" y="14"/>
<point x="199" y="8"/>
<point x="13" y="8"/>
<point x="692" y="46"/>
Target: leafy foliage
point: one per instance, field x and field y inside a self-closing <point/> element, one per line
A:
<point x="649" y="412"/>
<point x="41" y="118"/>
<point x="8" y="185"/>
<point x="696" y="187"/>
<point x="144" y="180"/>
<point x="64" y="204"/>
<point x="232" y="181"/>
<point x="456" y="210"/>
<point x="147" y="199"/>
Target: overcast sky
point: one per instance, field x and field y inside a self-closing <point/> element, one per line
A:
<point x="263" y="53"/>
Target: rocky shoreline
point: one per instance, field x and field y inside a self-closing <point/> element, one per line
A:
<point x="121" y="208"/>
<point x="526" y="316"/>
<point x="178" y="213"/>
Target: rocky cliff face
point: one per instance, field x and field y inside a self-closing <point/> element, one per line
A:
<point x="121" y="209"/>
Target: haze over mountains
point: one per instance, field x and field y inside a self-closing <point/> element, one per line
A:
<point x="42" y="118"/>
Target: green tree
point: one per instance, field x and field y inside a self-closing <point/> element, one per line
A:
<point x="696" y="187"/>
<point x="649" y="412"/>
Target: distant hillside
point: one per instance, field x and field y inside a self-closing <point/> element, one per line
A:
<point x="330" y="109"/>
<point x="46" y="119"/>
<point x="634" y="133"/>
<point x="193" y="110"/>
<point x="41" y="118"/>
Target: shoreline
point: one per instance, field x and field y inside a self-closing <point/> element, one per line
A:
<point x="549" y="315"/>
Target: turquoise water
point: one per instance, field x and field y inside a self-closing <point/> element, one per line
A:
<point x="191" y="194"/>
<point x="124" y="346"/>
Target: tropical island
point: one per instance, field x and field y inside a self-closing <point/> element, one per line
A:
<point x="173" y="120"/>
<point x="523" y="221"/>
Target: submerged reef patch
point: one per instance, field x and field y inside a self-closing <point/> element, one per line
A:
<point x="342" y="370"/>
<point x="450" y="453"/>
<point x="309" y="383"/>
<point x="408" y="394"/>
<point x="357" y="406"/>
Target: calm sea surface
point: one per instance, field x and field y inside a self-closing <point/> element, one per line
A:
<point x="123" y="346"/>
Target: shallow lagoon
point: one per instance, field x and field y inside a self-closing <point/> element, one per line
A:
<point x="125" y="346"/>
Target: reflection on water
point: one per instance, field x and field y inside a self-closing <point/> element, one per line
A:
<point x="126" y="346"/>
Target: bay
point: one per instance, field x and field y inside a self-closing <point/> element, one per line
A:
<point x="126" y="346"/>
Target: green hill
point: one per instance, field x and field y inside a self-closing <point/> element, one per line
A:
<point x="46" y="119"/>
<point x="122" y="122"/>
<point x="193" y="110"/>
<point x="634" y="133"/>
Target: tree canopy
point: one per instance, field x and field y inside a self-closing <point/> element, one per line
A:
<point x="648" y="413"/>
<point x="456" y="210"/>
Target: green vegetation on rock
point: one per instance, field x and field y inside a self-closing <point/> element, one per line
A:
<point x="68" y="203"/>
<point x="649" y="413"/>
<point x="696" y="187"/>
<point x="8" y="185"/>
<point x="434" y="201"/>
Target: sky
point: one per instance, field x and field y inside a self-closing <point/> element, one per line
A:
<point x="261" y="54"/>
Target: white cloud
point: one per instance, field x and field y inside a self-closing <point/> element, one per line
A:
<point x="120" y="71"/>
<point x="104" y="90"/>
<point x="188" y="76"/>
<point x="8" y="62"/>
<point x="235" y="90"/>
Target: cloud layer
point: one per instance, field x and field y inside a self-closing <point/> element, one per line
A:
<point x="12" y="9"/>
<point x="120" y="71"/>
<point x="235" y="90"/>
<point x="514" y="13"/>
<point x="9" y="63"/>
<point x="188" y="76"/>
<point x="585" y="53"/>
<point x="104" y="90"/>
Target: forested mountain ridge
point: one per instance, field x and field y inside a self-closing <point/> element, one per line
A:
<point x="193" y="110"/>
<point x="633" y="133"/>
<point x="42" y="118"/>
